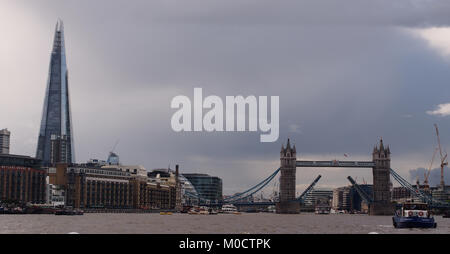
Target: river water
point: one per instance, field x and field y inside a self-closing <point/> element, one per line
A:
<point x="252" y="223"/>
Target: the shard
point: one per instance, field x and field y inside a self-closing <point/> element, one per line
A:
<point x="56" y="116"/>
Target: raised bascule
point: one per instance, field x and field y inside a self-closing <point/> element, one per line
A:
<point x="380" y="165"/>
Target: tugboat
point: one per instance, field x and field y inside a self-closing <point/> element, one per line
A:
<point x="413" y="215"/>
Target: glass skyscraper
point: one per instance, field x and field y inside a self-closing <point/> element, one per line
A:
<point x="56" y="116"/>
<point x="208" y="187"/>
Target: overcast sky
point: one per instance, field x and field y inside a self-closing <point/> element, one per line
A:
<point x="346" y="76"/>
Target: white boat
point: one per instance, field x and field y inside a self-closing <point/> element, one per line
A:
<point x="229" y="209"/>
<point x="322" y="209"/>
<point x="271" y="209"/>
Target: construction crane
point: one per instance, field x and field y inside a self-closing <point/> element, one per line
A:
<point x="443" y="157"/>
<point x="114" y="147"/>
<point x="427" y="174"/>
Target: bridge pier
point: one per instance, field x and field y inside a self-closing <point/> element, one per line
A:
<point x="381" y="182"/>
<point x="288" y="204"/>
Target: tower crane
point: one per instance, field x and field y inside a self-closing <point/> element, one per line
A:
<point x="114" y="147"/>
<point x="427" y="174"/>
<point x="443" y="157"/>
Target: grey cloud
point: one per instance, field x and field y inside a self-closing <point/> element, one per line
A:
<point x="260" y="12"/>
<point x="344" y="73"/>
<point x="434" y="178"/>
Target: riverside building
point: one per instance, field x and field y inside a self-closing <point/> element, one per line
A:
<point x="91" y="186"/>
<point x="21" y="179"/>
<point x="207" y="187"/>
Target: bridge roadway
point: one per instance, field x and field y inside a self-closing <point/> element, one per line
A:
<point x="335" y="164"/>
<point x="241" y="204"/>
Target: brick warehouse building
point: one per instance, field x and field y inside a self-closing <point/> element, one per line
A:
<point x="91" y="187"/>
<point x="21" y="179"/>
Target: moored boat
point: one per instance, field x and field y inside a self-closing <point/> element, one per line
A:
<point x="229" y="209"/>
<point x="322" y="209"/>
<point x="413" y="215"/>
<point x="68" y="212"/>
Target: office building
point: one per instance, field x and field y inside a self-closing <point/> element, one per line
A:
<point x="318" y="195"/>
<point x="208" y="187"/>
<point x="56" y="115"/>
<point x="4" y="141"/>
<point x="342" y="198"/>
<point x="59" y="150"/>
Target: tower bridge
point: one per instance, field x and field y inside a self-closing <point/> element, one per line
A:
<point x="380" y="165"/>
<point x="379" y="202"/>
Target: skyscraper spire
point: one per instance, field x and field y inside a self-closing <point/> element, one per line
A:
<point x="56" y="116"/>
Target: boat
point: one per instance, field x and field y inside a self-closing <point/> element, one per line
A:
<point x="185" y="209"/>
<point x="194" y="211"/>
<point x="413" y="215"/>
<point x="165" y="213"/>
<point x="322" y="209"/>
<point x="212" y="211"/>
<point x="271" y="209"/>
<point x="447" y="214"/>
<point x="229" y="209"/>
<point x="69" y="212"/>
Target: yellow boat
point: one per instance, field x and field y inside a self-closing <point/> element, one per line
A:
<point x="165" y="213"/>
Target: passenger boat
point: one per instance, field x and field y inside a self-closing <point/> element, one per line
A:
<point x="413" y="215"/>
<point x="229" y="209"/>
<point x="322" y="209"/>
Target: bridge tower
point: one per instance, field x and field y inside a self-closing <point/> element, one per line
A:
<point x="288" y="203"/>
<point x="381" y="181"/>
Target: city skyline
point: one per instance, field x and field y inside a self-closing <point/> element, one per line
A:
<point x="383" y="78"/>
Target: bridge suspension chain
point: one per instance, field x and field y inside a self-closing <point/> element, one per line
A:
<point x="258" y="187"/>
<point x="241" y="195"/>
<point x="252" y="190"/>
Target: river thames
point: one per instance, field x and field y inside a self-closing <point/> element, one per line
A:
<point x="250" y="223"/>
